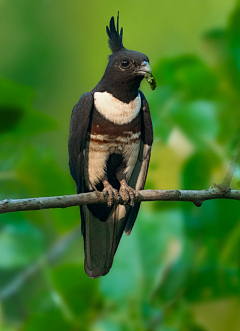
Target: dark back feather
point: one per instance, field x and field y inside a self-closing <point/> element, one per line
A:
<point x="115" y="38"/>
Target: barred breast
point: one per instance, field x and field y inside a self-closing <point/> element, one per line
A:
<point x="106" y="138"/>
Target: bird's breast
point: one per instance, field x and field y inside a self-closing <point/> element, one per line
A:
<point x="114" y="138"/>
<point x="116" y="111"/>
<point x="114" y="144"/>
<point x="107" y="139"/>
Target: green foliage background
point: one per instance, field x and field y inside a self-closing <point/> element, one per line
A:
<point x="180" y="268"/>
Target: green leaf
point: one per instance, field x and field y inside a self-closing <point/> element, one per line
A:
<point x="7" y="328"/>
<point x="10" y="118"/>
<point x="175" y="278"/>
<point x="159" y="103"/>
<point x="20" y="244"/>
<point x="16" y="114"/>
<point x="40" y="175"/>
<point x="108" y="325"/>
<point x="213" y="280"/>
<point x="136" y="262"/>
<point x="76" y="288"/>
<point x="197" y="170"/>
<point x="186" y="74"/>
<point x="47" y="322"/>
<point x="24" y="123"/>
<point x="16" y="95"/>
<point x="197" y="119"/>
<point x="211" y="220"/>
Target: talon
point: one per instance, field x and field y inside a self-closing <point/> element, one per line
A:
<point x="107" y="196"/>
<point x="127" y="193"/>
<point x="116" y="195"/>
<point x="132" y="197"/>
<point x="111" y="194"/>
<point x="105" y="193"/>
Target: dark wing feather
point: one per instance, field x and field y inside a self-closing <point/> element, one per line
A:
<point x="80" y="122"/>
<point x="139" y="174"/>
<point x="115" y="39"/>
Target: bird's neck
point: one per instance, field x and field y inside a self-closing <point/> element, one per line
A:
<point x="125" y="91"/>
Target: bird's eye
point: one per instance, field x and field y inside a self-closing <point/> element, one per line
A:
<point x="125" y="63"/>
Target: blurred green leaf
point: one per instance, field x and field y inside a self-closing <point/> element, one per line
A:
<point x="108" y="325"/>
<point x="16" y="114"/>
<point x="136" y="262"/>
<point x="233" y="42"/>
<point x="230" y="249"/>
<point x="160" y="104"/>
<point x="45" y="301"/>
<point x="20" y="245"/>
<point x="213" y="281"/>
<point x="10" y="117"/>
<point x="33" y="123"/>
<point x="40" y="175"/>
<point x="187" y="74"/>
<point x="172" y="284"/>
<point x="7" y="328"/>
<point x="15" y="95"/>
<point x="39" y="172"/>
<point x="77" y="289"/>
<point x="196" y="173"/>
<point x="211" y="220"/>
<point x="47" y="322"/>
<point x="197" y="119"/>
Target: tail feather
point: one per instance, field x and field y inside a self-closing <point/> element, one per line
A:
<point x="101" y="240"/>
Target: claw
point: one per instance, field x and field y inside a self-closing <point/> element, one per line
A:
<point x="116" y="195"/>
<point x="111" y="194"/>
<point x="127" y="193"/>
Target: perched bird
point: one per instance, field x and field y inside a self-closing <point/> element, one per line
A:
<point x="109" y="150"/>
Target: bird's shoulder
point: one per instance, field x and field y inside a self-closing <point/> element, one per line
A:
<point x="80" y="120"/>
<point x="82" y="109"/>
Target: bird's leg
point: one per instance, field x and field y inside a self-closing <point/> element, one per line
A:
<point x="127" y="193"/>
<point x="111" y="194"/>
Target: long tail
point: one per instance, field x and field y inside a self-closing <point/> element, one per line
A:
<point x="101" y="239"/>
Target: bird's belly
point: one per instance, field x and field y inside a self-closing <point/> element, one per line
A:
<point x="106" y="151"/>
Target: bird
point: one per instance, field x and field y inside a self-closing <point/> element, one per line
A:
<point x="109" y="147"/>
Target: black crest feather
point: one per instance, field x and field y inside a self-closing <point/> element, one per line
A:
<point x="115" y="38"/>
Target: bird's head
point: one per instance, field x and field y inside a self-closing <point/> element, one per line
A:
<point x="126" y="69"/>
<point x="129" y="64"/>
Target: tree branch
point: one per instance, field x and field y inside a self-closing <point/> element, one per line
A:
<point x="221" y="191"/>
<point x="225" y="184"/>
<point x="197" y="197"/>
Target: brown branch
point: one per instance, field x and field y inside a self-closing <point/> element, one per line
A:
<point x="221" y="191"/>
<point x="197" y="197"/>
<point x="225" y="184"/>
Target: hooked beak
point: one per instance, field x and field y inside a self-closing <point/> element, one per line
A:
<point x="144" y="68"/>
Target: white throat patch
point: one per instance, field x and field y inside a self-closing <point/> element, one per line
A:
<point x="115" y="110"/>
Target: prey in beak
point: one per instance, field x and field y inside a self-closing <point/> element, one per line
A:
<point x="146" y="71"/>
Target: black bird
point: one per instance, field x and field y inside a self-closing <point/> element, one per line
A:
<point x="109" y="150"/>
